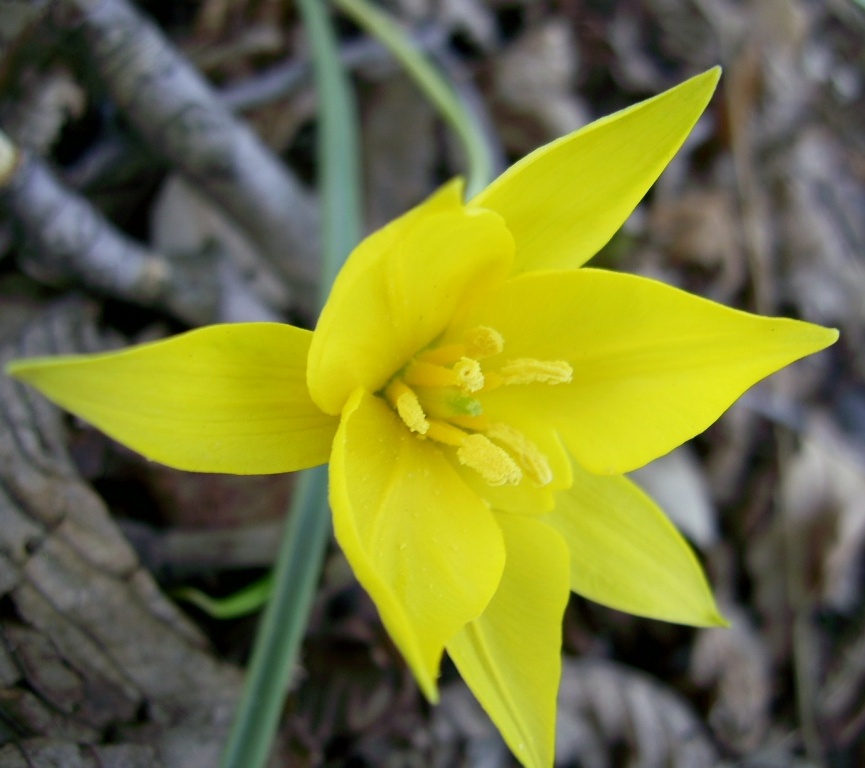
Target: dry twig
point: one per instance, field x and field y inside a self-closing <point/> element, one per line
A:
<point x="66" y="239"/>
<point x="183" y="120"/>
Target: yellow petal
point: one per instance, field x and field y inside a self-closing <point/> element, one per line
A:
<point x="227" y="398"/>
<point x="399" y="289"/>
<point x="426" y="548"/>
<point x="652" y="365"/>
<point x="522" y="498"/>
<point x="510" y="657"/>
<point x="627" y="555"/>
<point x="564" y="201"/>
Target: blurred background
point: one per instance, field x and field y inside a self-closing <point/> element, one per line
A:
<point x="137" y="206"/>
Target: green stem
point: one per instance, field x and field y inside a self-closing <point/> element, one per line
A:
<point x="338" y="146"/>
<point x="298" y="565"/>
<point x="434" y="86"/>
<point x="282" y="627"/>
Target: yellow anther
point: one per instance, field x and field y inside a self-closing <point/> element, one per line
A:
<point x="407" y="405"/>
<point x="490" y="461"/>
<point x="527" y="370"/>
<point x="469" y="373"/>
<point x="483" y="342"/>
<point x="525" y="452"/>
<point x="410" y="411"/>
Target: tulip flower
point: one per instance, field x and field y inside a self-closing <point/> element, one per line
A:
<point x="480" y="395"/>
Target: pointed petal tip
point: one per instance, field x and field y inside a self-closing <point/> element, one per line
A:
<point x="824" y="338"/>
<point x="713" y="74"/>
<point x="705" y="83"/>
<point x="429" y="688"/>
<point x="558" y="221"/>
<point x="811" y="338"/>
<point x="30" y="370"/>
<point x="721" y="622"/>
<point x="17" y="369"/>
<point x="699" y="617"/>
<point x="706" y="616"/>
<point x="712" y="619"/>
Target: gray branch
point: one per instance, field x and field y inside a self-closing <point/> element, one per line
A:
<point x="182" y="118"/>
<point x="64" y="238"/>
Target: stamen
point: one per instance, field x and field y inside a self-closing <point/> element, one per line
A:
<point x="442" y="432"/>
<point x="478" y="343"/>
<point x="470" y="374"/>
<point x="527" y="370"/>
<point x="483" y="342"/>
<point x="446" y="355"/>
<point x="407" y="405"/>
<point x="466" y="374"/>
<point x="433" y="396"/>
<point x="477" y="452"/>
<point x="492" y="463"/>
<point x="409" y="410"/>
<point x="527" y="454"/>
<point x="422" y="374"/>
<point x="475" y="423"/>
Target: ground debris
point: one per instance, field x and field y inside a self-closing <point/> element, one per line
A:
<point x="89" y="645"/>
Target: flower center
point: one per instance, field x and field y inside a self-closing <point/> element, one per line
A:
<point x="438" y="395"/>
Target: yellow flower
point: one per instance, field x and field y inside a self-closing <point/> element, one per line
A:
<point x="479" y="396"/>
